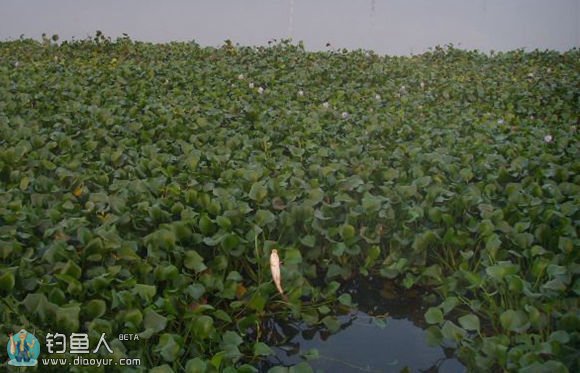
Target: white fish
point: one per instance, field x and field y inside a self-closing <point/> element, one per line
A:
<point x="275" y="269"/>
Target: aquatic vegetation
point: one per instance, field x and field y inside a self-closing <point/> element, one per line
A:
<point x="144" y="186"/>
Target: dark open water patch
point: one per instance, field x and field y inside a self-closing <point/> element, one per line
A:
<point x="385" y="333"/>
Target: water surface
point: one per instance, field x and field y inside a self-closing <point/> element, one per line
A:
<point x="362" y="344"/>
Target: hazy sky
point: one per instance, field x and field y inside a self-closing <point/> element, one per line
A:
<point x="386" y="26"/>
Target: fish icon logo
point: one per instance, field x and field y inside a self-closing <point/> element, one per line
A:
<point x="23" y="349"/>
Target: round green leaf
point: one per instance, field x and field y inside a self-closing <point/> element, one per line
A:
<point x="469" y="322"/>
<point x="434" y="316"/>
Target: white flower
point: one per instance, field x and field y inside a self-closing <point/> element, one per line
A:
<point x="530" y="75"/>
<point x="549" y="70"/>
<point x="403" y="89"/>
<point x="422" y="85"/>
<point x="241" y="77"/>
<point x="548" y="138"/>
<point x="300" y="93"/>
<point x="378" y="97"/>
<point x="260" y="90"/>
<point x="16" y="64"/>
<point x="326" y="105"/>
<point x="344" y="115"/>
<point x="251" y="85"/>
<point x="500" y="121"/>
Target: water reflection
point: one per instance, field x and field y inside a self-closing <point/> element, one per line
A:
<point x="386" y="26"/>
<point x="362" y="344"/>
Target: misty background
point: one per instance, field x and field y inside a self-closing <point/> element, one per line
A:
<point x="398" y="27"/>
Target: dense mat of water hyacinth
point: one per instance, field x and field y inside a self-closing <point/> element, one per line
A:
<point x="143" y="188"/>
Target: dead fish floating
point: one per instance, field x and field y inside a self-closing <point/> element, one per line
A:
<point x="275" y="269"/>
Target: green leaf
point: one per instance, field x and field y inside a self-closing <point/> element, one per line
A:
<point x="192" y="260"/>
<point x="492" y="243"/>
<point x="230" y="242"/>
<point x="434" y="316"/>
<point x="67" y="318"/>
<point x="71" y="269"/>
<point x="169" y="346"/>
<point x="449" y="304"/>
<point x="554" y="285"/>
<point x="501" y="270"/>
<point x="347" y="232"/>
<point x="292" y="256"/>
<point x="311" y="354"/>
<point x="308" y="240"/>
<point x="345" y="299"/>
<point x="217" y="359"/>
<point x="133" y="318"/>
<point x="222" y="315"/>
<point x="434" y="336"/>
<point x="301" y="368"/>
<point x="37" y="304"/>
<point x="258" y="192"/>
<point x="469" y="322"/>
<point x="331" y="323"/>
<point x="7" y="281"/>
<point x="224" y="222"/>
<point x="203" y="326"/>
<point x="195" y="291"/>
<point x="232" y="338"/>
<point x="351" y="183"/>
<point x="94" y="308"/>
<point x="515" y="321"/>
<point x="560" y="336"/>
<point x="166" y="272"/>
<point x="257" y="301"/>
<point x="24" y="182"/>
<point x="550" y="366"/>
<point x="453" y="332"/>
<point x="206" y="226"/>
<point x="423" y="240"/>
<point x="264" y="217"/>
<point x="153" y="323"/>
<point x="262" y="349"/>
<point x="566" y="245"/>
<point x="165" y="239"/>
<point x="145" y="292"/>
<point x="371" y="203"/>
<point x="372" y="255"/>
<point x="196" y="365"/>
<point x="162" y="369"/>
<point x="379" y="322"/>
<point x="245" y="368"/>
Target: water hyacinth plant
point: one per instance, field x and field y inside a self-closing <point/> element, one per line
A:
<point x="143" y="188"/>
